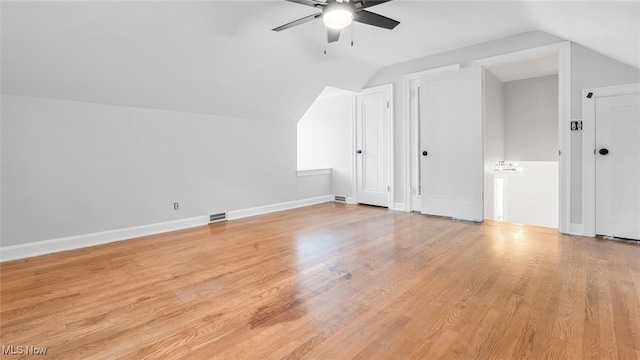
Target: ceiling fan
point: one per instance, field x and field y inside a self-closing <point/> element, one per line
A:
<point x="338" y="14"/>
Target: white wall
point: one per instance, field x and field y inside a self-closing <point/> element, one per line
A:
<point x="531" y="196"/>
<point x="493" y="136"/>
<point x="72" y="168"/>
<point x="325" y="140"/>
<point x="531" y="119"/>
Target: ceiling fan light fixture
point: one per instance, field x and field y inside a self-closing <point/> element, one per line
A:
<point x="337" y="17"/>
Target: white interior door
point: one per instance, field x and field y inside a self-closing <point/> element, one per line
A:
<point x="372" y="147"/>
<point x="451" y="140"/>
<point x="618" y="166"/>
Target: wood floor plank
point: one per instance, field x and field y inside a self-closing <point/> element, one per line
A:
<point x="331" y="281"/>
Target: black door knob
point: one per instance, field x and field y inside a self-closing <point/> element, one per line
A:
<point x="359" y="151"/>
<point x="424" y="153"/>
<point x="603" y="151"/>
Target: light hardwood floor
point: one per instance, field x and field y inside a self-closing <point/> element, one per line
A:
<point x="331" y="281"/>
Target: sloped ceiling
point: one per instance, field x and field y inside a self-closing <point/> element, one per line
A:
<point x="221" y="57"/>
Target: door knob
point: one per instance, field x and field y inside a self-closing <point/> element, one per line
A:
<point x="359" y="151"/>
<point x="424" y="153"/>
<point x="603" y="151"/>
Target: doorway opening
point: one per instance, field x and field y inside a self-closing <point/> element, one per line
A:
<point x="562" y="52"/>
<point x="521" y="159"/>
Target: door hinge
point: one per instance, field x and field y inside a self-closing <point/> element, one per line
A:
<point x="387" y="104"/>
<point x="388" y="188"/>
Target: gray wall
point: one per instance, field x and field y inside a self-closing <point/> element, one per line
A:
<point x="72" y="168"/>
<point x="494" y="128"/>
<point x="531" y="119"/>
<point x="312" y="186"/>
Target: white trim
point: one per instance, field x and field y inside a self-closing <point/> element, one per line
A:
<point x="354" y="143"/>
<point x="389" y="89"/>
<point x="564" y="136"/>
<point x="392" y="173"/>
<point x="266" y="209"/>
<point x="313" y="172"/>
<point x="22" y="251"/>
<point x="523" y="55"/>
<point x="575" y="229"/>
<point x="588" y="147"/>
<point x="563" y="50"/>
<point x="406" y="111"/>
<point x="351" y="201"/>
<point x="398" y="207"/>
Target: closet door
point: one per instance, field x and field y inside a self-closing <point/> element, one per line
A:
<point x="372" y="154"/>
<point x="451" y="141"/>
<point x="618" y="166"/>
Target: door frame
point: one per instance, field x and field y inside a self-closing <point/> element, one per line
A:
<point x="406" y="107"/>
<point x="588" y="149"/>
<point x="389" y="164"/>
<point x="563" y="51"/>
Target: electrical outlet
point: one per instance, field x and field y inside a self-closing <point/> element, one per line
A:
<point x="176" y="206"/>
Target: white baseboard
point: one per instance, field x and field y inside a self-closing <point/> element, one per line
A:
<point x="22" y="251"/>
<point x="575" y="229"/>
<point x="351" y="201"/>
<point x="261" y="210"/>
<point x="398" y="207"/>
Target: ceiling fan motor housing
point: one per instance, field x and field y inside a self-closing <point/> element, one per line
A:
<point x="337" y="15"/>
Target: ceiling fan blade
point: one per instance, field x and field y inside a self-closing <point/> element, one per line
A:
<point x="313" y="3"/>
<point x="363" y="4"/>
<point x="298" y="22"/>
<point x="333" y="35"/>
<point x="369" y="18"/>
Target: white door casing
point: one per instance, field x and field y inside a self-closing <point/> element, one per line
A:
<point x="415" y="188"/>
<point x="563" y="51"/>
<point x="452" y="144"/>
<point x="373" y="147"/>
<point x="617" y="166"/>
<point x="610" y="121"/>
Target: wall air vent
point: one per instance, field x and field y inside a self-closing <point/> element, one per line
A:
<point x="214" y="218"/>
<point x="340" y="198"/>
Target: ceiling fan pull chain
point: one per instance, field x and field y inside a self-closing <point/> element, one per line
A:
<point x="326" y="40"/>
<point x="351" y="35"/>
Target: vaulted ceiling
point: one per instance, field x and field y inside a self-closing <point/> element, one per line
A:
<point x="221" y="57"/>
